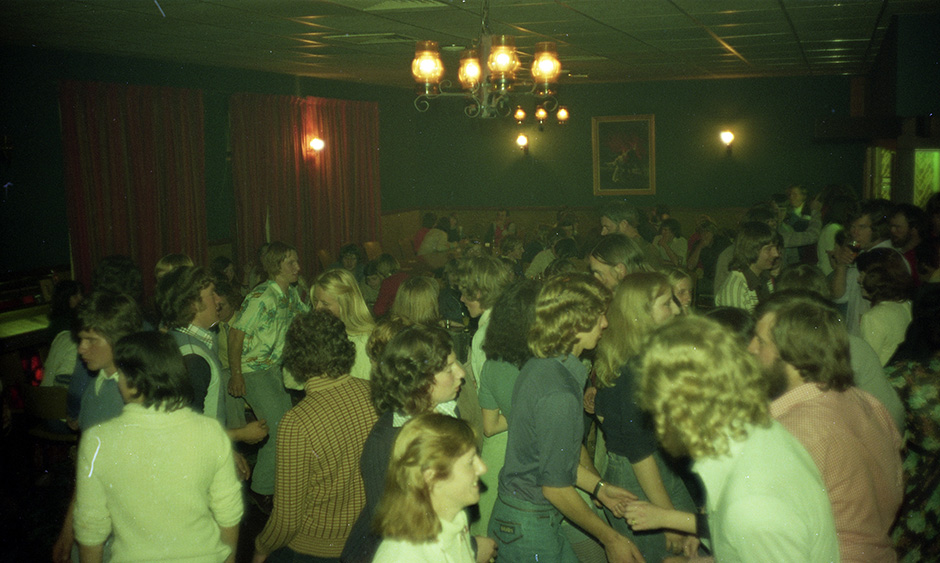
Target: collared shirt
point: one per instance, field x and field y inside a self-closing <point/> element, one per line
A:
<point x="265" y="317"/>
<point x="856" y="446"/>
<point x="545" y="428"/>
<point x="766" y="501"/>
<point x="318" y="487"/>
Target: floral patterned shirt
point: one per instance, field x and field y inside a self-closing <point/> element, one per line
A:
<point x="264" y="318"/>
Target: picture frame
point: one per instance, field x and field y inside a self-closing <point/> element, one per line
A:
<point x="624" y="154"/>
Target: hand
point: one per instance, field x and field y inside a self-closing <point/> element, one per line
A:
<point x="242" y="468"/>
<point x="816" y="204"/>
<point x="622" y="550"/>
<point x="615" y="498"/>
<point x="675" y="542"/>
<point x="236" y="386"/>
<point x="843" y="256"/>
<point x="259" y="557"/>
<point x="62" y="548"/>
<point x="254" y="432"/>
<point x="589" y="395"/>
<point x="641" y="515"/>
<point x="690" y="546"/>
<point x="486" y="549"/>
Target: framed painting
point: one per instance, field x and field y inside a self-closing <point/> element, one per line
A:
<point x="624" y="155"/>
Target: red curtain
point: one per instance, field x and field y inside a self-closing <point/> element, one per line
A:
<point x="315" y="200"/>
<point x="134" y="174"/>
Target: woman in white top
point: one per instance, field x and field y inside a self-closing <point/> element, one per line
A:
<point x="434" y="474"/>
<point x="338" y="292"/>
<point x="887" y="284"/>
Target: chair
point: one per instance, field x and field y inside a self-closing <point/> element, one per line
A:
<point x="407" y="249"/>
<point x="373" y="249"/>
<point x="53" y="439"/>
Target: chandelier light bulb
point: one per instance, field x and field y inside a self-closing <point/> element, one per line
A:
<point x="562" y="115"/>
<point x="427" y="67"/>
<point x="317" y="144"/>
<point x="519" y="114"/>
<point x="727" y="137"/>
<point x="522" y="141"/>
<point x="540" y="114"/>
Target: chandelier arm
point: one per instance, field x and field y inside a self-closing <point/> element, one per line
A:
<point x="550" y="103"/>
<point x="422" y="103"/>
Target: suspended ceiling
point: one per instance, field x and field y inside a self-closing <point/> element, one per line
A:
<point x="372" y="41"/>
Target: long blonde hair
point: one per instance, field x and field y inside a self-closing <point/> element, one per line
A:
<point x="417" y="301"/>
<point x="353" y="309"/>
<point x="427" y="442"/>
<point x="629" y="323"/>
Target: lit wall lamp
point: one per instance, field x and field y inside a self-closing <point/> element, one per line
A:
<point x="523" y="143"/>
<point x="727" y="137"/>
<point x="317" y="144"/>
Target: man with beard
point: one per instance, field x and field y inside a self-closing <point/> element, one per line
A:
<point x="802" y="345"/>
<point x="908" y="230"/>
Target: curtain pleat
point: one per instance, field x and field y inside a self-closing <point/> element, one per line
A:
<point x="134" y="174"/>
<point x="316" y="200"/>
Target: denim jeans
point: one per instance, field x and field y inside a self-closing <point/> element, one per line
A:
<point x="652" y="544"/>
<point x="264" y="391"/>
<point x="529" y="532"/>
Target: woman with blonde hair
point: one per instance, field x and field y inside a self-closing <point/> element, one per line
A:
<point x="433" y="475"/>
<point x="417" y="301"/>
<point x="682" y="288"/>
<point x="338" y="292"/>
<point x="641" y="303"/>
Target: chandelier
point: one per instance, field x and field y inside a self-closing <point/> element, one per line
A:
<point x="490" y="89"/>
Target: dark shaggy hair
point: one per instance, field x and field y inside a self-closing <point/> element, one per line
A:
<point x="317" y="346"/>
<point x="888" y="281"/>
<point x="507" y="335"/>
<point x="274" y="256"/>
<point x="118" y="274"/>
<point x="738" y="321"/>
<point x="218" y="266"/>
<point x="61" y="295"/>
<point x="178" y="294"/>
<point x="153" y="367"/>
<point x="405" y="372"/>
<point x="111" y="315"/>
<point x="811" y="336"/>
<point x="879" y="211"/>
<point x="751" y="238"/>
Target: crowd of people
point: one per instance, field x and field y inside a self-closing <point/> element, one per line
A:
<point x="761" y="393"/>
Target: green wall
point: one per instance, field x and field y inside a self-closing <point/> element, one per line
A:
<point x="475" y="162"/>
<point x="442" y="158"/>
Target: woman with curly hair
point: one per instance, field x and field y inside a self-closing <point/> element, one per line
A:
<point x="642" y="302"/>
<point x="507" y="351"/>
<point x="433" y="475"/>
<point x="417" y="373"/>
<point x="546" y="427"/>
<point x="338" y="292"/>
<point x="318" y="489"/>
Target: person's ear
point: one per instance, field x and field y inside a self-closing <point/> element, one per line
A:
<point x="621" y="271"/>
<point x="428" y="475"/>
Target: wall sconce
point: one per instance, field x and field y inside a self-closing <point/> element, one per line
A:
<point x="523" y="143"/>
<point x="317" y="144"/>
<point x="727" y="137"/>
